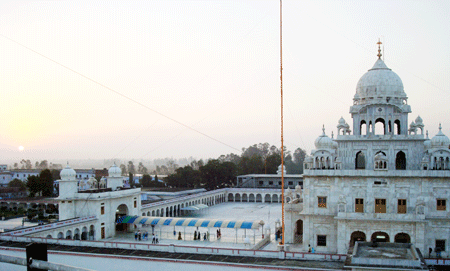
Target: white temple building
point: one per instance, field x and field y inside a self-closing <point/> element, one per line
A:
<point x="105" y="200"/>
<point x="377" y="180"/>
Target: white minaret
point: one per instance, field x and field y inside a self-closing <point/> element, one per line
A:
<point x="68" y="185"/>
<point x="115" y="178"/>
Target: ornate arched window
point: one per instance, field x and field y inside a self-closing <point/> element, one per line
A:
<point x="360" y="161"/>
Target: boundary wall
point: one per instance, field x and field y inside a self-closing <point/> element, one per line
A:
<point x="171" y="248"/>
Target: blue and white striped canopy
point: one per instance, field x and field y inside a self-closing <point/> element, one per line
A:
<point x="190" y="222"/>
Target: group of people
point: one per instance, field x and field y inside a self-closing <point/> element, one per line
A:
<point x="144" y="236"/>
<point x="141" y="236"/>
<point x="198" y="236"/>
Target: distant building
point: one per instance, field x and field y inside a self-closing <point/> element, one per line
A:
<point x="5" y="178"/>
<point x="85" y="174"/>
<point x="3" y="168"/>
<point x="23" y="174"/>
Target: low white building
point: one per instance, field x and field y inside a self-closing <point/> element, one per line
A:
<point x="105" y="200"/>
<point x="384" y="181"/>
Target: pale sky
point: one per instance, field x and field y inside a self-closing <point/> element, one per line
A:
<point x="85" y="79"/>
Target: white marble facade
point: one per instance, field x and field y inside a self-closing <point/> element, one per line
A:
<point x="383" y="181"/>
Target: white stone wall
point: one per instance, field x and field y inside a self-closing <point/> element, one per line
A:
<point x="423" y="229"/>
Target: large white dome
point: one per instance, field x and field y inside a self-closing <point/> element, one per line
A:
<point x="440" y="140"/>
<point x="324" y="142"/>
<point x="114" y="171"/>
<point x="67" y="173"/>
<point x="380" y="82"/>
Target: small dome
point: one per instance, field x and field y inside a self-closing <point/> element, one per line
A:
<point x="440" y="140"/>
<point x="323" y="141"/>
<point x="279" y="169"/>
<point x="114" y="171"/>
<point x="67" y="173"/>
<point x="341" y="121"/>
<point x="380" y="81"/>
<point x="419" y="120"/>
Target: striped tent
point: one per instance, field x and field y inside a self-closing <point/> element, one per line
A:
<point x="190" y="222"/>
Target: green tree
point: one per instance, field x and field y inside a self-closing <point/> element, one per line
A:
<point x="18" y="183"/>
<point x="131" y="168"/>
<point x="55" y="174"/>
<point x="131" y="179"/>
<point x="216" y="174"/>
<point x="123" y="168"/>
<point x="33" y="185"/>
<point x="46" y="182"/>
<point x="146" y="180"/>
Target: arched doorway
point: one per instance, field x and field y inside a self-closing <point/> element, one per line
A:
<point x="60" y="235"/>
<point x="380" y="237"/>
<point x="357" y="236"/>
<point x="251" y="198"/>
<point x="244" y="197"/>
<point x="121" y="210"/>
<point x="400" y="161"/>
<point x="237" y="197"/>
<point x="258" y="198"/>
<point x="267" y="198"/>
<point x="230" y="198"/>
<point x="84" y="233"/>
<point x="275" y="198"/>
<point x="360" y="161"/>
<point x="402" y="238"/>
<point x="298" y="234"/>
<point x="92" y="232"/>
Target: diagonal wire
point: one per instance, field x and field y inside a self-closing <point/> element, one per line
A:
<point x="120" y="94"/>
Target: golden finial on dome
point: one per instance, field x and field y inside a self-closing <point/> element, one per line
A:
<point x="379" y="49"/>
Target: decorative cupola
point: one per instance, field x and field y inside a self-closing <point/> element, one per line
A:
<point x="323" y="141"/>
<point x="68" y="185"/>
<point x="343" y="127"/>
<point x="419" y="124"/>
<point x="279" y="170"/>
<point x="115" y="178"/>
<point x="308" y="162"/>
<point x="412" y="128"/>
<point x="440" y="141"/>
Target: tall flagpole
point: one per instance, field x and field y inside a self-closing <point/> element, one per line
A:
<point x="282" y="140"/>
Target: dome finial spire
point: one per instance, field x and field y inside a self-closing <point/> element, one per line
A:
<point x="379" y="49"/>
<point x="323" y="128"/>
<point x="440" y="127"/>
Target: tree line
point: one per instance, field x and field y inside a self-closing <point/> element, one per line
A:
<point x="221" y="172"/>
<point x="41" y="185"/>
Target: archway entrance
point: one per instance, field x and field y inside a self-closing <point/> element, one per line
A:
<point x="380" y="236"/>
<point x="298" y="234"/>
<point x="402" y="238"/>
<point x="357" y="236"/>
<point x="122" y="210"/>
<point x="400" y="161"/>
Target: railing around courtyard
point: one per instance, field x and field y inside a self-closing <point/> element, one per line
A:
<point x="63" y="223"/>
<point x="171" y="248"/>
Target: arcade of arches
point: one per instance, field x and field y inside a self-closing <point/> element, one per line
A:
<point x="379" y="236"/>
